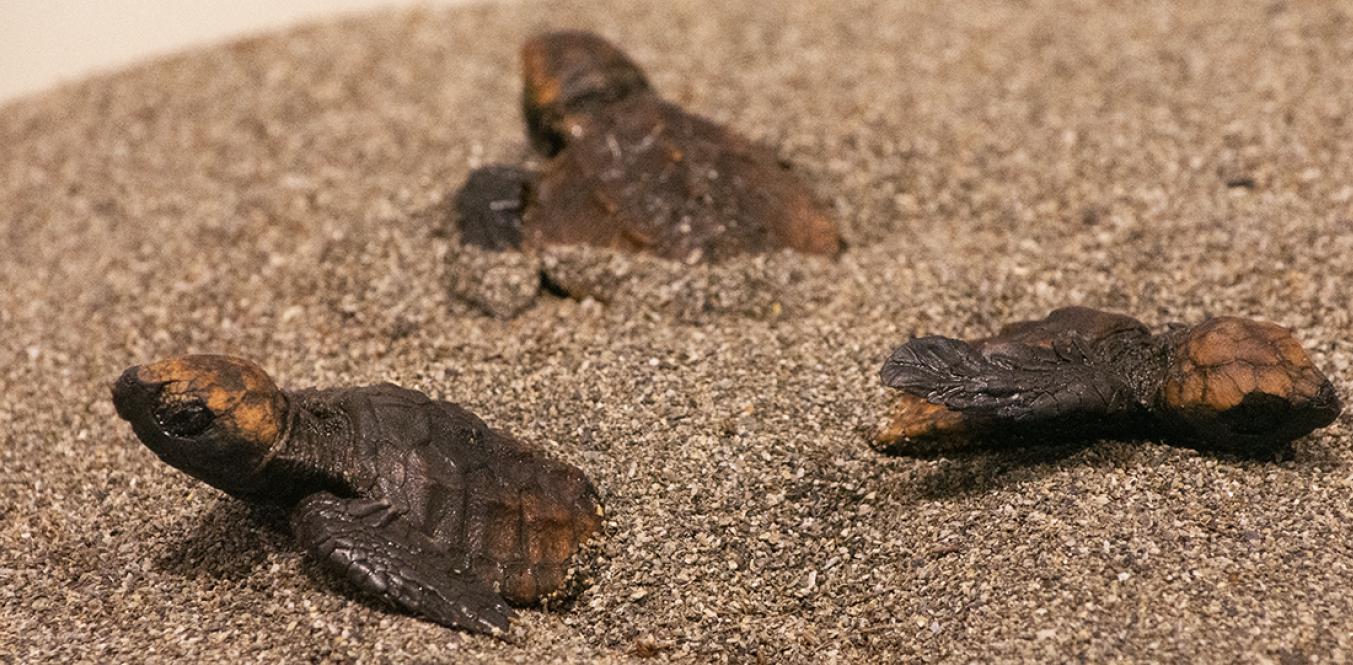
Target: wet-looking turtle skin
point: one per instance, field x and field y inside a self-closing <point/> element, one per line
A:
<point x="632" y="172"/>
<point x="1227" y="384"/>
<point x="414" y="500"/>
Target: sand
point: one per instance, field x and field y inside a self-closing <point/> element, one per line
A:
<point x="281" y="198"/>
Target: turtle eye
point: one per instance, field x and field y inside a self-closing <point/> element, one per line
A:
<point x="184" y="419"/>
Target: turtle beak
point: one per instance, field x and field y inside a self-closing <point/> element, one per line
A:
<point x="132" y="397"/>
<point x="136" y="402"/>
<point x="1325" y="406"/>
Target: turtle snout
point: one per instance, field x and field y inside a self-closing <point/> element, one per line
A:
<point x="132" y="397"/>
<point x="1326" y="404"/>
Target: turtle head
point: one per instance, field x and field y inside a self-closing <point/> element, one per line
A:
<point x="567" y="76"/>
<point x="1246" y="384"/>
<point x="215" y="418"/>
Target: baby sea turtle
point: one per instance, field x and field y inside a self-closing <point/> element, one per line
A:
<point x="414" y="500"/>
<point x="630" y="171"/>
<point x="1227" y="383"/>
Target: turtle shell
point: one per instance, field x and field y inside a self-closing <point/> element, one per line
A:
<point x="646" y="176"/>
<point x="505" y="510"/>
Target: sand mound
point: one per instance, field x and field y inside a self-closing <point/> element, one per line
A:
<point x="270" y="198"/>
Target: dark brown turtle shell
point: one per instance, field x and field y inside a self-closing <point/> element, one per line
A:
<point x="415" y="500"/>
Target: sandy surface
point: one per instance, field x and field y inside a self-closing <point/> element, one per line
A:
<point x="278" y="198"/>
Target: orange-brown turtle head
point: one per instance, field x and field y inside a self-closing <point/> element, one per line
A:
<point x="1246" y="383"/>
<point x="568" y="75"/>
<point x="216" y="418"/>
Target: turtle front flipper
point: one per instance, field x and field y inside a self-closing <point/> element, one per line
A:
<point x="914" y="426"/>
<point x="1000" y="390"/>
<point x="488" y="212"/>
<point x="367" y="542"/>
<point x="490" y="207"/>
<point x="1014" y="382"/>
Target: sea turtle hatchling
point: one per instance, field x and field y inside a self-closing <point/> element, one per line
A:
<point x="413" y="500"/>
<point x="629" y="171"/>
<point x="1227" y="383"/>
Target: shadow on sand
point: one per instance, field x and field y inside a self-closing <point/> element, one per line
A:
<point x="228" y="542"/>
<point x="990" y="466"/>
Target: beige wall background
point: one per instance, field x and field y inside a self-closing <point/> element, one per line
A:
<point x="46" y="42"/>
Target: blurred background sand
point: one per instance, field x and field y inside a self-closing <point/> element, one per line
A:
<point x="44" y="43"/>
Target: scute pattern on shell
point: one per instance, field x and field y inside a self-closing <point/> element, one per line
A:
<point x="646" y="176"/>
<point x="500" y="508"/>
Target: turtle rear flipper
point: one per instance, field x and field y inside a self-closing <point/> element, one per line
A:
<point x="490" y="205"/>
<point x="374" y="548"/>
